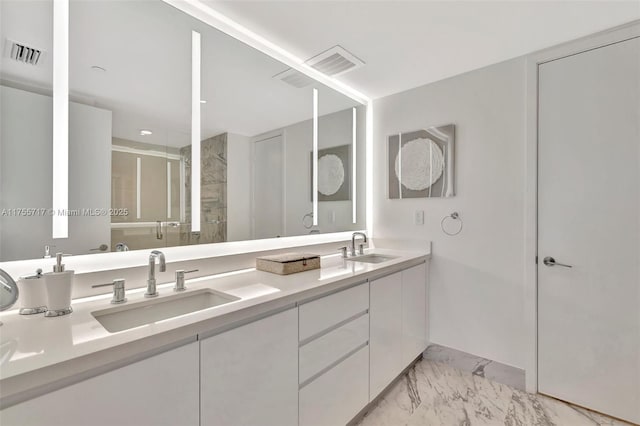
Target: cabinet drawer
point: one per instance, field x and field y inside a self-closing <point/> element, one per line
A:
<point x="338" y="395"/>
<point x="321" y="314"/>
<point x="323" y="352"/>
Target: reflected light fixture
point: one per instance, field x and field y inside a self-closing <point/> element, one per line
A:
<point x="315" y="157"/>
<point x="169" y="190"/>
<point x="369" y="169"/>
<point x="138" y="187"/>
<point x="145" y="132"/>
<point x="60" y="177"/>
<point x="195" y="131"/>
<point x="354" y="146"/>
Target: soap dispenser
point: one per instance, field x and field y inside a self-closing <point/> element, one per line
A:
<point x="59" y="284"/>
<point x="33" y="294"/>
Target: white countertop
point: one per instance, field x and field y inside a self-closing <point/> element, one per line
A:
<point x="38" y="352"/>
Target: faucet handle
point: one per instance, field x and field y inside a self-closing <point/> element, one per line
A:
<point x="361" y="248"/>
<point x="118" y="290"/>
<point x="343" y="251"/>
<point x="47" y="250"/>
<point x="180" y="279"/>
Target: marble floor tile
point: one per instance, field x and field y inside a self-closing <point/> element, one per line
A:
<point x="437" y="394"/>
<point x="482" y="367"/>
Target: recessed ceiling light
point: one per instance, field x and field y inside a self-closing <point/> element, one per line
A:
<point x="145" y="132"/>
<point x="97" y="68"/>
<point x="202" y="101"/>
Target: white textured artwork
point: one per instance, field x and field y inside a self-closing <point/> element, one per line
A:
<point x="330" y="174"/>
<point x="334" y="173"/>
<point x="421" y="163"/>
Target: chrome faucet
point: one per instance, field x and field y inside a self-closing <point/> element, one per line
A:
<point x="151" y="281"/>
<point x="353" y="243"/>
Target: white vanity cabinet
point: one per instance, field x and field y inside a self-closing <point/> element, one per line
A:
<point x="249" y="374"/>
<point x="414" y="312"/>
<point x="398" y="322"/>
<point x="318" y="362"/>
<point x="386" y="332"/>
<point x="334" y="357"/>
<point x="160" y="390"/>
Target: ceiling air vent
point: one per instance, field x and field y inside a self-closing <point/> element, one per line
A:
<point x="294" y="78"/>
<point x="332" y="62"/>
<point x="22" y="53"/>
<point x="335" y="61"/>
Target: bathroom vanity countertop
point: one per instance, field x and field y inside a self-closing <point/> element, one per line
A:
<point x="39" y="354"/>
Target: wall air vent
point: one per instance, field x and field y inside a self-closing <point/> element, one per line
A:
<point x="23" y="53"/>
<point x="294" y="78"/>
<point x="335" y="61"/>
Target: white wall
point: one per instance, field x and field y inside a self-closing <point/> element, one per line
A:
<point x="238" y="187"/>
<point x="476" y="296"/>
<point x="26" y="149"/>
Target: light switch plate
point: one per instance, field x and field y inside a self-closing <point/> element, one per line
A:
<point x="418" y="218"/>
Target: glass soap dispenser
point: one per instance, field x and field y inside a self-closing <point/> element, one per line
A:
<point x="59" y="284"/>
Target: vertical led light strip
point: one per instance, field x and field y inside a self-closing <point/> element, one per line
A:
<point x="353" y="166"/>
<point x="138" y="187"/>
<point x="315" y="157"/>
<point x="60" y="179"/>
<point x="168" y="189"/>
<point x="400" y="165"/>
<point x="195" y="131"/>
<point x="369" y="169"/>
<point x="183" y="201"/>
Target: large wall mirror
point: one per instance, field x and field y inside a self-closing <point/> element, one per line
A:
<point x="133" y="126"/>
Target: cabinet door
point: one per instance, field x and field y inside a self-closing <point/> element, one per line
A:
<point x="385" y="332"/>
<point x="161" y="390"/>
<point x="249" y="375"/>
<point x="414" y="312"/>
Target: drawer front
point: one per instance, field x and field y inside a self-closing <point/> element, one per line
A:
<point x="338" y="395"/>
<point x="323" y="352"/>
<point x="324" y="313"/>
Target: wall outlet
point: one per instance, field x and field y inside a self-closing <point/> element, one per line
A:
<point x="332" y="216"/>
<point x="418" y="217"/>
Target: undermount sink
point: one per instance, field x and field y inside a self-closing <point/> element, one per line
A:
<point x="372" y="258"/>
<point x="125" y="317"/>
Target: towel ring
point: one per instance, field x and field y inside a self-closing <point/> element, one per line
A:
<point x="308" y="224"/>
<point x="454" y="216"/>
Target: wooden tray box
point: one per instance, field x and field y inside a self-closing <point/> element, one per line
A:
<point x="288" y="263"/>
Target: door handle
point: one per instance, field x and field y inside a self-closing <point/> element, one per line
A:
<point x="550" y="261"/>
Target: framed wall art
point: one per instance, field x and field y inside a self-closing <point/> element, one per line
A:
<point x="421" y="163"/>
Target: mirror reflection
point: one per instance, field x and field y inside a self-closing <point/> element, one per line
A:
<point x="130" y="136"/>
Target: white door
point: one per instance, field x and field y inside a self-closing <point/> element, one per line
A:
<point x="589" y="218"/>
<point x="268" y="183"/>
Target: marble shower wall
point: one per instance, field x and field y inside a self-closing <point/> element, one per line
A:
<point x="213" y="195"/>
